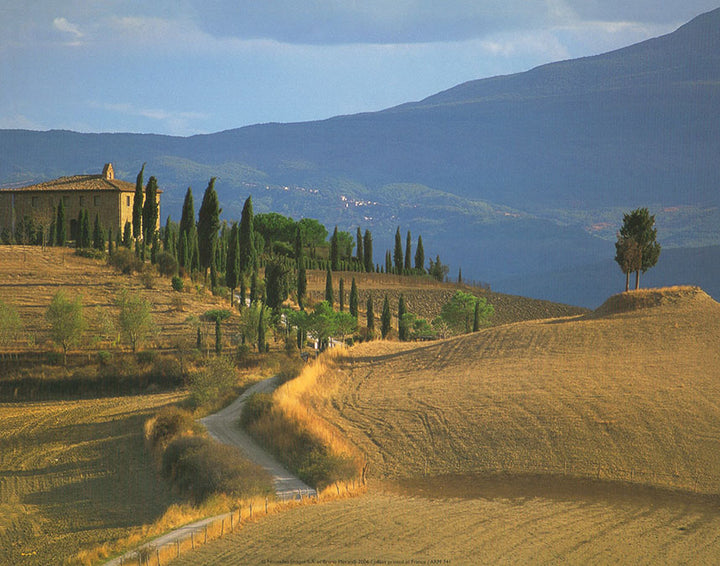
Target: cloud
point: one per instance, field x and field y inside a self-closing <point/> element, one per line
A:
<point x="62" y="24"/>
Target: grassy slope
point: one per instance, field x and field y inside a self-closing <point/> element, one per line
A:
<point x="74" y="474"/>
<point x="382" y="528"/>
<point x="29" y="277"/>
<point x="630" y="396"/>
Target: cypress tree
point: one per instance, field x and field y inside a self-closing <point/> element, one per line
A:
<point x="218" y="337"/>
<point x="186" y="229"/>
<point x="243" y="295"/>
<point x="185" y="247"/>
<point x="301" y="276"/>
<point x="420" y="256"/>
<point x="402" y="329"/>
<point x="253" y="287"/>
<point x="460" y="276"/>
<point x="155" y="250"/>
<point x="150" y="210"/>
<point x="370" y="316"/>
<point x="398" y="252"/>
<point x="167" y="236"/>
<point x="247" y="254"/>
<point x="329" y="287"/>
<point x="98" y="237"/>
<point x="84" y="229"/>
<point x="232" y="267"/>
<point x="127" y="234"/>
<point x="208" y="225"/>
<point x="213" y="274"/>
<point x="341" y="294"/>
<point x="408" y="253"/>
<point x="388" y="262"/>
<point x="385" y="318"/>
<point x="138" y="204"/>
<point x="334" y="251"/>
<point x="354" y="299"/>
<point x="360" y="256"/>
<point x="261" y="330"/>
<point x="476" y="316"/>
<point x="368" y="252"/>
<point x="60" y="230"/>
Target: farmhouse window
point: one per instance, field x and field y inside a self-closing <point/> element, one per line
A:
<point x="34" y="202"/>
<point x="127" y="201"/>
<point x="96" y="200"/>
<point x="82" y="201"/>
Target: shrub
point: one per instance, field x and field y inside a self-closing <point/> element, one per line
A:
<point x="90" y="253"/>
<point x="147" y="277"/>
<point x="124" y="260"/>
<point x="145" y="357"/>
<point x="166" y="264"/>
<point x="257" y="406"/>
<point x="213" y="381"/>
<point x="169" y="423"/>
<point x="199" y="467"/>
<point x="177" y="284"/>
<point x="104" y="357"/>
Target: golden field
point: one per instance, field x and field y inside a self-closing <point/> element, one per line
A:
<point x="75" y="474"/>
<point x="506" y="525"/>
<point x="631" y="395"/>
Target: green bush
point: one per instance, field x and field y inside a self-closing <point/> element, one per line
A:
<point x="104" y="357"/>
<point x="177" y="284"/>
<point x="90" y="253"/>
<point x="199" y="467"/>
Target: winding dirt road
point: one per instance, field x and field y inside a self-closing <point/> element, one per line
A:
<point x="224" y="427"/>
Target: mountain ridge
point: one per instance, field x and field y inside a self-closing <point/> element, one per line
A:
<point x="548" y="152"/>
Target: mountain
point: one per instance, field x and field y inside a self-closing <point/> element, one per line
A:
<point x="507" y="176"/>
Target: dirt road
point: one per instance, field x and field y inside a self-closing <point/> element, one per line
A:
<point x="223" y="426"/>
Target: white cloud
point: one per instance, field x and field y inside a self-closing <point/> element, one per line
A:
<point x="64" y="25"/>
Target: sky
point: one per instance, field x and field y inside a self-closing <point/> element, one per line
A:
<point x="183" y="67"/>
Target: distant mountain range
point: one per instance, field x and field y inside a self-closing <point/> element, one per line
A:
<point x="509" y="177"/>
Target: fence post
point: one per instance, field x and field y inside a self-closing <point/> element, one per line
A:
<point x="222" y="527"/>
<point x="157" y="555"/>
<point x="266" y="505"/>
<point x="205" y="542"/>
<point x="192" y="540"/>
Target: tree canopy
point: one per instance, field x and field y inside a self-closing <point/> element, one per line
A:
<point x="638" y="227"/>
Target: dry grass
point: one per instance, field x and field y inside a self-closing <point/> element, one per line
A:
<point x="511" y="528"/>
<point x="633" y="396"/>
<point x="75" y="474"/>
<point x="29" y="277"/>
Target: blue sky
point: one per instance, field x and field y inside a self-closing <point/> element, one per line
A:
<point x="183" y="67"/>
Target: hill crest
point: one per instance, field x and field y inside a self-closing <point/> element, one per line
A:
<point x="683" y="296"/>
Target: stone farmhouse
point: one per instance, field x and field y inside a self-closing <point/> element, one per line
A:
<point x="103" y="194"/>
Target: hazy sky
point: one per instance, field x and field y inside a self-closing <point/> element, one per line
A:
<point x="196" y="66"/>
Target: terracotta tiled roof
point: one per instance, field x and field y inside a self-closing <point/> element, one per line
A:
<point x="80" y="183"/>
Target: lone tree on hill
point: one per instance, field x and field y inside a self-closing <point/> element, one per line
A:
<point x="138" y="204"/>
<point x="637" y="248"/>
<point x="135" y="318"/>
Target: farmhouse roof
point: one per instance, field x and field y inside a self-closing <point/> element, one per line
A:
<point x="104" y="182"/>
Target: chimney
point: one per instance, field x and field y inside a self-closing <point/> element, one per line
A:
<point x="108" y="172"/>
